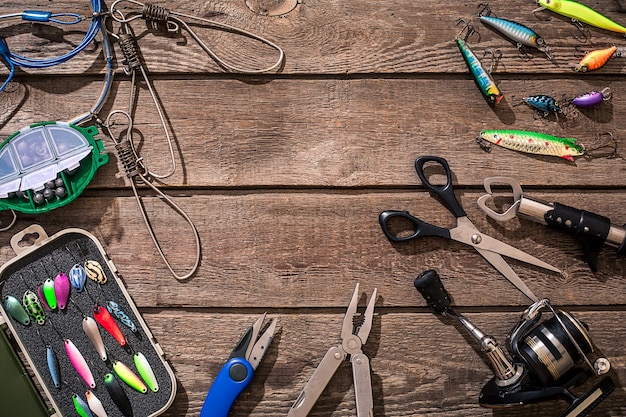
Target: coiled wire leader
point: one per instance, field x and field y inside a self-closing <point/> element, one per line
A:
<point x="156" y="15"/>
<point x="134" y="169"/>
<point x="133" y="63"/>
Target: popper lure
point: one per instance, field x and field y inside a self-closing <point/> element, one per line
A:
<point x="581" y="13"/>
<point x="523" y="36"/>
<point x="596" y="59"/>
<point x="531" y="142"/>
<point x="481" y="76"/>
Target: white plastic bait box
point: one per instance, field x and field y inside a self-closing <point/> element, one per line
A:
<point x="66" y="313"/>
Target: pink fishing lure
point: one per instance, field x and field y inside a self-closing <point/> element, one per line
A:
<point x="62" y="290"/>
<point x="79" y="363"/>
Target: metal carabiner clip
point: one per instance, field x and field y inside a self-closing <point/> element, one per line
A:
<point x="154" y="15"/>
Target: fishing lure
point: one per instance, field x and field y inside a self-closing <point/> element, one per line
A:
<point x="545" y="104"/>
<point x="91" y="330"/>
<point x="82" y="408"/>
<point x="482" y="77"/>
<point x="129" y="377"/>
<point x="79" y="363"/>
<point x="581" y="13"/>
<point x="118" y="395"/>
<point x="595" y="59"/>
<point x="77" y="277"/>
<point x="33" y="306"/>
<point x="47" y="295"/>
<point x="522" y="35"/>
<point x="145" y="370"/>
<point x="104" y="318"/>
<point x="115" y="309"/>
<point x="53" y="366"/>
<point x="592" y="98"/>
<point x="531" y="142"/>
<point x="13" y="306"/>
<point x="62" y="290"/>
<point x="95" y="272"/>
<point x="95" y="405"/>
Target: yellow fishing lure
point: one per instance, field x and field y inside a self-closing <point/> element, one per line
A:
<point x="581" y="13"/>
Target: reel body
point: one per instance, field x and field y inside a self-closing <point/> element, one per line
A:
<point x="546" y="359"/>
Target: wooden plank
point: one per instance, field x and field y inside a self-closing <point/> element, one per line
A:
<point x="262" y="246"/>
<point x="321" y="133"/>
<point x="331" y="37"/>
<point x="421" y="365"/>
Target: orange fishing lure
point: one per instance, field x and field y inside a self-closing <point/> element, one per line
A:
<point x="595" y="59"/>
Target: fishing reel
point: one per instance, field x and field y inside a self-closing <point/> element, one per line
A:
<point x="546" y="358"/>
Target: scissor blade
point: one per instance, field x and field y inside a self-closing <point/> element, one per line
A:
<point x="467" y="233"/>
<point x="261" y="345"/>
<point x="500" y="264"/>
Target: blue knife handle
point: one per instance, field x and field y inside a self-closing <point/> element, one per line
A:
<point x="233" y="378"/>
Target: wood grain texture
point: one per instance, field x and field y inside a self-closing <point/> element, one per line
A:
<point x="285" y="174"/>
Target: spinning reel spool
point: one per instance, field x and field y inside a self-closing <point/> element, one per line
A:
<point x="547" y="359"/>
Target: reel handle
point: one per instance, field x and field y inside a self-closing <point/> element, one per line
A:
<point x="429" y="284"/>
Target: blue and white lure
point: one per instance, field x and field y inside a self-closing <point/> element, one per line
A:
<point x="523" y="36"/>
<point x="544" y="104"/>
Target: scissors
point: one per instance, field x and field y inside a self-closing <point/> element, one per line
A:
<point x="465" y="232"/>
<point x="351" y="344"/>
<point x="237" y="372"/>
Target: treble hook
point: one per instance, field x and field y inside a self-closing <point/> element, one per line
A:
<point x="496" y="56"/>
<point x="485" y="10"/>
<point x="154" y="15"/>
<point x="133" y="64"/>
<point x="468" y="28"/>
<point x="538" y="9"/>
<point x="582" y="29"/>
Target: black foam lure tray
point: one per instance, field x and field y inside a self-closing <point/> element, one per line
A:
<point x="45" y="258"/>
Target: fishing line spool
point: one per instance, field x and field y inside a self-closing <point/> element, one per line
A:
<point x="546" y="359"/>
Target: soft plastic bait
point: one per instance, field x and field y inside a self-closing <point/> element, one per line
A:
<point x="62" y="290"/>
<point x="481" y="76"/>
<point x="95" y="272"/>
<point x="95" y="405"/>
<point x="581" y="13"/>
<point x="518" y="33"/>
<point x="129" y="377"/>
<point x="104" y="318"/>
<point x="33" y="306"/>
<point x="115" y="309"/>
<point x="13" y="306"/>
<point x="82" y="408"/>
<point x="532" y="142"/>
<point x="595" y="59"/>
<point x="145" y="370"/>
<point x="91" y="330"/>
<point x="591" y="99"/>
<point x="79" y="363"/>
<point x="118" y="395"/>
<point x="77" y="277"/>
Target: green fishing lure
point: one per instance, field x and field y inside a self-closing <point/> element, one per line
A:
<point x="581" y="13"/>
<point x="531" y="142"/>
<point x="482" y="77"/>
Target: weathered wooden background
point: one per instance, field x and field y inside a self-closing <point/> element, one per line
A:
<point x="284" y="175"/>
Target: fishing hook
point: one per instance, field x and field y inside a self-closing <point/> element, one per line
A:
<point x="485" y="10"/>
<point x="496" y="56"/>
<point x="468" y="28"/>
<point x="586" y="33"/>
<point x="153" y="15"/>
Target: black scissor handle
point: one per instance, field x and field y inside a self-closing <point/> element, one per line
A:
<point x="420" y="228"/>
<point x="445" y="192"/>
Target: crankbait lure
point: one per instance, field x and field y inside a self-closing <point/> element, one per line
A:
<point x="531" y="142"/>
<point x="47" y="295"/>
<point x="13" y="306"/>
<point x="77" y="277"/>
<point x="104" y="318"/>
<point x="543" y="103"/>
<point x="595" y="59"/>
<point x="95" y="405"/>
<point x="581" y="13"/>
<point x="91" y="330"/>
<point x="95" y="272"/>
<point x="82" y="408"/>
<point x="62" y="290"/>
<point x="115" y="309"/>
<point x="145" y="370"/>
<point x="522" y="35"/>
<point x="33" y="306"/>
<point x="129" y="377"/>
<point x="482" y="78"/>
<point x="118" y="395"/>
<point x="53" y="366"/>
<point x="592" y="98"/>
<point x="79" y="363"/>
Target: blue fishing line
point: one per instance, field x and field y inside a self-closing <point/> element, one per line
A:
<point x="15" y="60"/>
